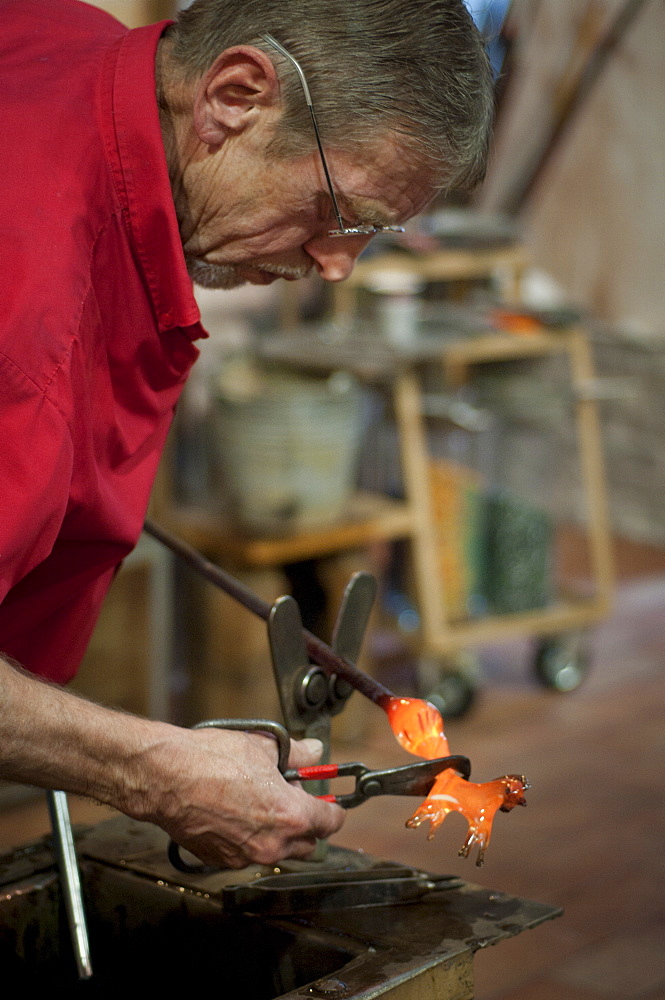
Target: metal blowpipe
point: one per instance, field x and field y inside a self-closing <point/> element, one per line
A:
<point x="317" y="650"/>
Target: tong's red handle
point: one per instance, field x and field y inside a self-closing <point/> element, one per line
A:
<point x="323" y="771"/>
<point x="317" y="771"/>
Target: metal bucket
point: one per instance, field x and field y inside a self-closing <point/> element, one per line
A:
<point x="287" y="450"/>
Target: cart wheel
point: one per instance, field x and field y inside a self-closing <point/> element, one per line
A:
<point x="563" y="662"/>
<point x="453" y="685"/>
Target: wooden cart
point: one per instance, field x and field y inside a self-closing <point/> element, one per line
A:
<point x="560" y="660"/>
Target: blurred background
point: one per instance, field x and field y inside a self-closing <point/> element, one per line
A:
<point x="475" y="417"/>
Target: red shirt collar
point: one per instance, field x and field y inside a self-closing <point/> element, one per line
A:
<point x="138" y="160"/>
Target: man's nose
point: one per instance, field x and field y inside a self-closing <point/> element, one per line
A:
<point x="334" y="257"/>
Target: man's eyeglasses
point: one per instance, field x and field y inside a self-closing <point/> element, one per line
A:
<point x="367" y="230"/>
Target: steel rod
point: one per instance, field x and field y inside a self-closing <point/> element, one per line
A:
<point x="71" y="882"/>
<point x="318" y="651"/>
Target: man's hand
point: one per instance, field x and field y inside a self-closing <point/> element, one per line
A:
<point x="218" y="794"/>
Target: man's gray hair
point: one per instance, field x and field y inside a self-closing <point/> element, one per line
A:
<point x="416" y="68"/>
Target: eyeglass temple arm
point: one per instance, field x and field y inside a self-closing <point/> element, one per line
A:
<point x="308" y="98"/>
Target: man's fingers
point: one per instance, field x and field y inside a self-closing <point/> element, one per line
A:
<point x="227" y="804"/>
<point x="304" y="753"/>
<point x="303" y="848"/>
<point x="325" y="818"/>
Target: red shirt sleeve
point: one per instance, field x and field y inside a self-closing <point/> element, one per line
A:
<point x="35" y="472"/>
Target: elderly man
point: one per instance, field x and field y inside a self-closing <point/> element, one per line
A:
<point x="134" y="162"/>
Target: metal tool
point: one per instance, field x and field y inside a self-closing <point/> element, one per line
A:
<point x="410" y="779"/>
<point x="308" y="694"/>
<point x="329" y="659"/>
<point x="309" y="697"/>
<point x="71" y="882"/>
<point x="333" y="889"/>
<point x="314" y="681"/>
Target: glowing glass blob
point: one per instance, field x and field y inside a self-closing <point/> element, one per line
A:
<point x="418" y="727"/>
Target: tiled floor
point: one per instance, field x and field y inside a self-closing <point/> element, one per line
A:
<point x="592" y="836"/>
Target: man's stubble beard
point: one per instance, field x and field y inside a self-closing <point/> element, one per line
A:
<point x="207" y="275"/>
<point x="227" y="276"/>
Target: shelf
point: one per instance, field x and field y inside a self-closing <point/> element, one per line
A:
<point x="369" y="518"/>
<point x="370" y="358"/>
<point x="441" y="265"/>
<point x="561" y="616"/>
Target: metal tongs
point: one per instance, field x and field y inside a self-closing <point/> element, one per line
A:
<point x="410" y="779"/>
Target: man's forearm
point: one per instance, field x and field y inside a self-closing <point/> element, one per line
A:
<point x="216" y="792"/>
<point x="52" y="738"/>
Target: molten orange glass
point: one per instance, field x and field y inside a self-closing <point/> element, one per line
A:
<point x="418" y="727"/>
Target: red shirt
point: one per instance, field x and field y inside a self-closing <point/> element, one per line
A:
<point x="97" y="317"/>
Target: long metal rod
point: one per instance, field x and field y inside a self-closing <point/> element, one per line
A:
<point x="521" y="190"/>
<point x="71" y="882"/>
<point x="318" y="651"/>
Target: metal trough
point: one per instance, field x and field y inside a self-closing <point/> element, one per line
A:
<point x="153" y="927"/>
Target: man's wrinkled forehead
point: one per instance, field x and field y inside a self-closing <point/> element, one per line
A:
<point x="384" y="183"/>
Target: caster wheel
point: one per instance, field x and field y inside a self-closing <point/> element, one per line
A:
<point x="453" y="686"/>
<point x="562" y="663"/>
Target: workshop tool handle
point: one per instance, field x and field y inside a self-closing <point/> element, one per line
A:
<point x="71" y="883"/>
<point x="317" y="650"/>
<point x="314" y="773"/>
<point x="323" y="772"/>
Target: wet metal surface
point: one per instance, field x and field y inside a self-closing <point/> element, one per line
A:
<point x="152" y="926"/>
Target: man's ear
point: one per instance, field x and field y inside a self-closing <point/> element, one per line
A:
<point x="229" y="97"/>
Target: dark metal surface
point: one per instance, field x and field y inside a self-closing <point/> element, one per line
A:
<point x="151" y="930"/>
